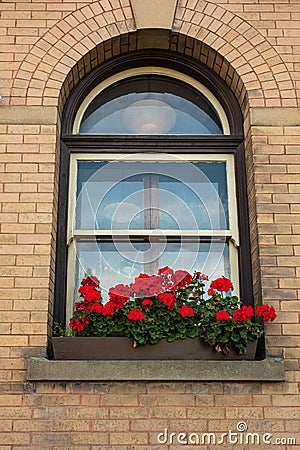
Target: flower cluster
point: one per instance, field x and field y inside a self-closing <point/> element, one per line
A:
<point x="171" y="305"/>
<point x="227" y="324"/>
<point x="152" y="307"/>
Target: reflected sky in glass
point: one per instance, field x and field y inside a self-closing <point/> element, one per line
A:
<point x="151" y="195"/>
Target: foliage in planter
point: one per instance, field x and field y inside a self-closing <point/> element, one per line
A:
<point x="226" y="324"/>
<point x="169" y="305"/>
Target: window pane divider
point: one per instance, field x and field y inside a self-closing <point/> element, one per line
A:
<point x="155" y="233"/>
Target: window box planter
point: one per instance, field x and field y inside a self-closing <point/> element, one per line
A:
<point x="121" y="348"/>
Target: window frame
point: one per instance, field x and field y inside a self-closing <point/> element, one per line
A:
<point x="231" y="144"/>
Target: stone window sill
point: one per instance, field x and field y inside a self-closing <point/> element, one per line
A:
<point x="42" y="369"/>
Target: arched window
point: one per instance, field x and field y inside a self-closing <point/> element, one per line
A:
<point x="152" y="174"/>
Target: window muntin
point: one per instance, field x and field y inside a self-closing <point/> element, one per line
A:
<point x="116" y="252"/>
<point x="150" y="105"/>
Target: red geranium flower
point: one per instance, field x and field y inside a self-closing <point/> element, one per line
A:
<point x="185" y="311"/>
<point x="211" y="291"/>
<point x="82" y="306"/>
<point x="243" y="314"/>
<point x="165" y="271"/>
<point x="221" y="284"/>
<point x="200" y="276"/>
<point x="119" y="295"/>
<point x="91" y="281"/>
<point x="146" y="302"/>
<point x="167" y="299"/>
<point x="108" y="309"/>
<point x="147" y="286"/>
<point x="89" y="293"/>
<point x="181" y="278"/>
<point x="79" y="325"/>
<point x="222" y="315"/>
<point x="96" y="307"/>
<point x="266" y="311"/>
<point x="136" y="314"/>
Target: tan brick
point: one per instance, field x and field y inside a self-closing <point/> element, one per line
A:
<point x="6" y="425"/>
<point x="206" y="413"/>
<point x="245" y="413"/>
<point x="232" y="400"/>
<point x="292" y="329"/>
<point x="70" y="425"/>
<point x="282" y="413"/>
<point x="32" y="425"/>
<point x="178" y="400"/>
<point x="50" y="438"/>
<point x="133" y="438"/>
<point x="15" y="412"/>
<point x="90" y="413"/>
<point x="152" y="424"/>
<point x="10" y="400"/>
<point x="60" y="400"/>
<point x="90" y="438"/>
<point x="15" y="438"/>
<point x="112" y="426"/>
<point x="26" y="328"/>
<point x="128" y="412"/>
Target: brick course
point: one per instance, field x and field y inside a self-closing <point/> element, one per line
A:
<point x="46" y="48"/>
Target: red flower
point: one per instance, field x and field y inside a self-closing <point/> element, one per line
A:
<point x="167" y="299"/>
<point x="181" y="278"/>
<point x="165" y="271"/>
<point x="222" y="315"/>
<point x="147" y="286"/>
<point x="200" y="276"/>
<point x="89" y="293"/>
<point x="136" y="314"/>
<point x="146" y="302"/>
<point x="267" y="312"/>
<point x="91" y="281"/>
<point x="82" y="306"/>
<point x="211" y="291"/>
<point x="78" y="325"/>
<point x="221" y="284"/>
<point x="119" y="295"/>
<point x="96" y="307"/>
<point x="243" y="314"/>
<point x="185" y="311"/>
<point x="108" y="309"/>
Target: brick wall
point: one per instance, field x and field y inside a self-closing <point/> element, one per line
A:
<point x="46" y="47"/>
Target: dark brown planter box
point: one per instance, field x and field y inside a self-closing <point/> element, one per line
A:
<point x="121" y="348"/>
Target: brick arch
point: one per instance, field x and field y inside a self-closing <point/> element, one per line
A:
<point x="230" y="46"/>
<point x="259" y="67"/>
<point x="45" y="68"/>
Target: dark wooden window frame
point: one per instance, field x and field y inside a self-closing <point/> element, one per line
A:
<point x="190" y="144"/>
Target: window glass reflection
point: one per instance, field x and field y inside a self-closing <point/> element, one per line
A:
<point x="120" y="261"/>
<point x="152" y="195"/>
<point x="150" y="106"/>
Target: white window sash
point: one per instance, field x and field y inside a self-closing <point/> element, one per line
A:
<point x="75" y="235"/>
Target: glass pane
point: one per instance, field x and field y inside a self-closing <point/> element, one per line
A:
<point x="120" y="261"/>
<point x="193" y="196"/>
<point x="152" y="195"/>
<point x="108" y="196"/>
<point x="150" y="105"/>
